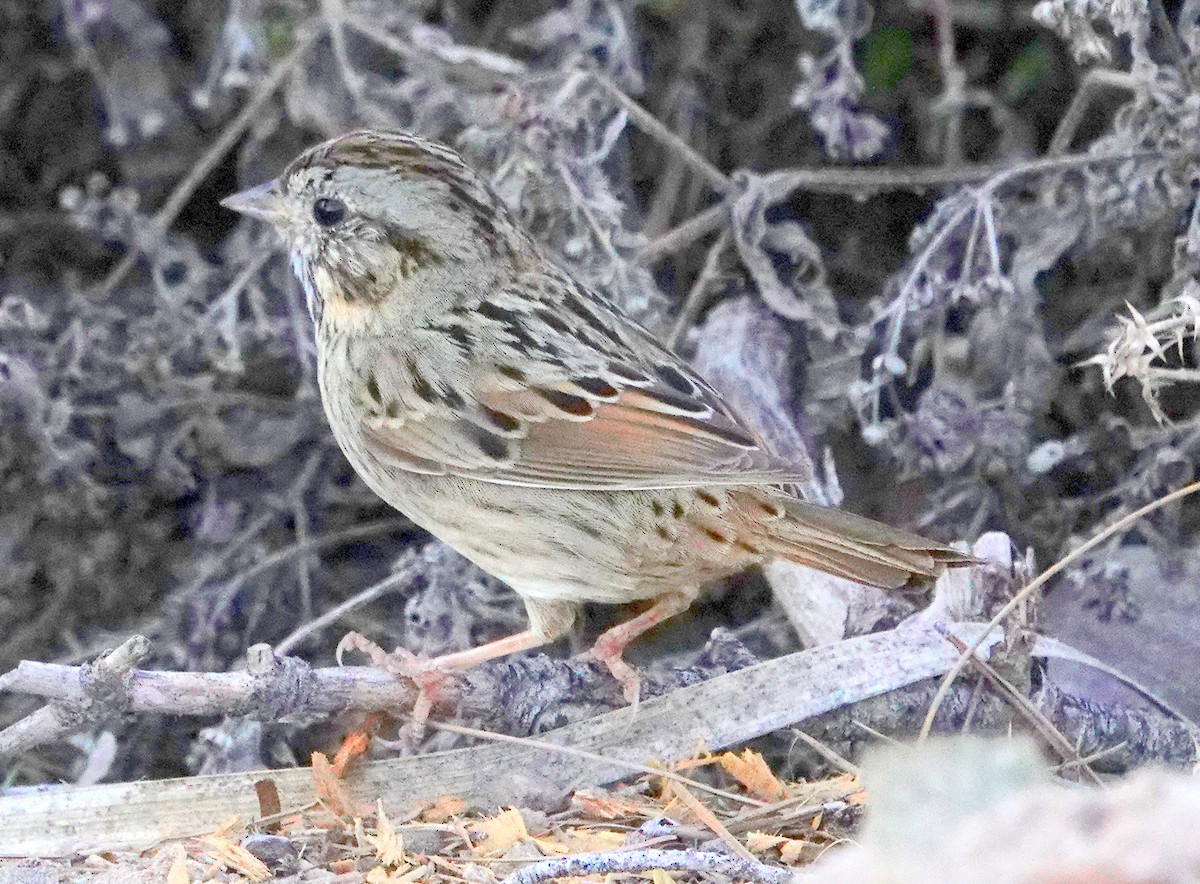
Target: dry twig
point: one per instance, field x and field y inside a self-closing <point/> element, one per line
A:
<point x="1037" y="583"/>
<point x="632" y="861"/>
<point x="723" y="711"/>
<point x="224" y="142"/>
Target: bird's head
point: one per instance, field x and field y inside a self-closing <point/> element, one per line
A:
<point x="370" y="217"/>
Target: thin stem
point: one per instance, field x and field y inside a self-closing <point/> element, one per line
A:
<point x="1022" y="704"/>
<point x="1032" y="587"/>
<point x="865" y="181"/>
<point x="634" y="861"/>
<point x="694" y="302"/>
<point x="652" y="126"/>
<point x="1186" y="375"/>
<point x="337" y="612"/>
<point x="953" y="98"/>
<point x="465" y="731"/>
<point x="225" y="142"/>
<point x="1093" y="81"/>
<point x="683" y="235"/>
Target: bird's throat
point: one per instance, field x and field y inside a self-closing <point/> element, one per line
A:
<point x="335" y="307"/>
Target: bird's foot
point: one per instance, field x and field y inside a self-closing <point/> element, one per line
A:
<point x="610" y="647"/>
<point x="611" y="654"/>
<point x="429" y="675"/>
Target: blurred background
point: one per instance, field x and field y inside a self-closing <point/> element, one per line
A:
<point x="893" y="233"/>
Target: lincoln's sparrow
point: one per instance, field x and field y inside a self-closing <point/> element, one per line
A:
<point x="522" y="418"/>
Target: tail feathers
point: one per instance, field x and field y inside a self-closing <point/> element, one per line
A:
<point x="855" y="548"/>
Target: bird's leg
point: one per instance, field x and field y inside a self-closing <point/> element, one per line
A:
<point x="548" y="620"/>
<point x="401" y="663"/>
<point x="430" y="673"/>
<point x="610" y="646"/>
<point x="501" y="647"/>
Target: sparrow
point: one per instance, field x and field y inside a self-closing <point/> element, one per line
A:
<point x="520" y="416"/>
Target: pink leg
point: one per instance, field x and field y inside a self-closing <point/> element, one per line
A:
<point x="610" y="646"/>
<point x="501" y="647"/>
<point x="430" y="674"/>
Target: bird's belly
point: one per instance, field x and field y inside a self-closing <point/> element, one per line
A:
<point x="546" y="544"/>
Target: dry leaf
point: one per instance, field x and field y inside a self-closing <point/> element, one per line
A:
<point x="659" y="876"/>
<point x="413" y="875"/>
<point x="790" y="852"/>
<point x="760" y="842"/>
<point x="789" y="848"/>
<point x="268" y="801"/>
<point x="606" y="807"/>
<point x="501" y="831"/>
<point x="219" y="848"/>
<point x="179" y="873"/>
<point x="446" y="807"/>
<point x="329" y="786"/>
<point x="355" y="745"/>
<point x="386" y="841"/>
<point x="589" y="840"/>
<point x="551" y="846"/>
<point x="751" y="770"/>
<point x="843" y="787"/>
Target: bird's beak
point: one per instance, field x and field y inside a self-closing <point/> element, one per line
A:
<point x="264" y="202"/>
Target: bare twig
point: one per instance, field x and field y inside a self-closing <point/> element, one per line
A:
<point x="653" y="127"/>
<point x="1021" y="703"/>
<point x="827" y="753"/>
<point x="723" y="711"/>
<point x="671" y="775"/>
<point x="288" y="687"/>
<point x="694" y="302"/>
<point x="335" y="16"/>
<point x="337" y="612"/>
<point x="1089" y="87"/>
<point x="229" y="136"/>
<point x="287" y="553"/>
<point x="708" y="818"/>
<point x="1087" y="760"/>
<point x="180" y="598"/>
<point x="789" y="810"/>
<point x="1175" y="45"/>
<point x="628" y="862"/>
<point x="481" y="64"/>
<point x="952" y="102"/>
<point x="103" y="682"/>
<point x="683" y="235"/>
<point x="865" y="181"/>
<point x="874" y="733"/>
<point x="272" y="690"/>
<point x="1032" y="587"/>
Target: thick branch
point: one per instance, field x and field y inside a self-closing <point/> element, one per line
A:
<point x="719" y="712"/>
<point x="888" y="670"/>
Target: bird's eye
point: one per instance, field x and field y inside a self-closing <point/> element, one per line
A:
<point x="329" y="211"/>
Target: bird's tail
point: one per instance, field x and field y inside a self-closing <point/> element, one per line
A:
<point x="850" y="546"/>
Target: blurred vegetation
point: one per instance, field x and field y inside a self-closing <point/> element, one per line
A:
<point x="164" y="463"/>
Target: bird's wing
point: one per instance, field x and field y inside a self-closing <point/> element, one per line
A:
<point x="547" y="385"/>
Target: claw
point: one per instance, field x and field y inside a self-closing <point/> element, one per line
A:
<point x="356" y="641"/>
<point x="610" y="646"/>
<point x="428" y="676"/>
<point x="626" y="675"/>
